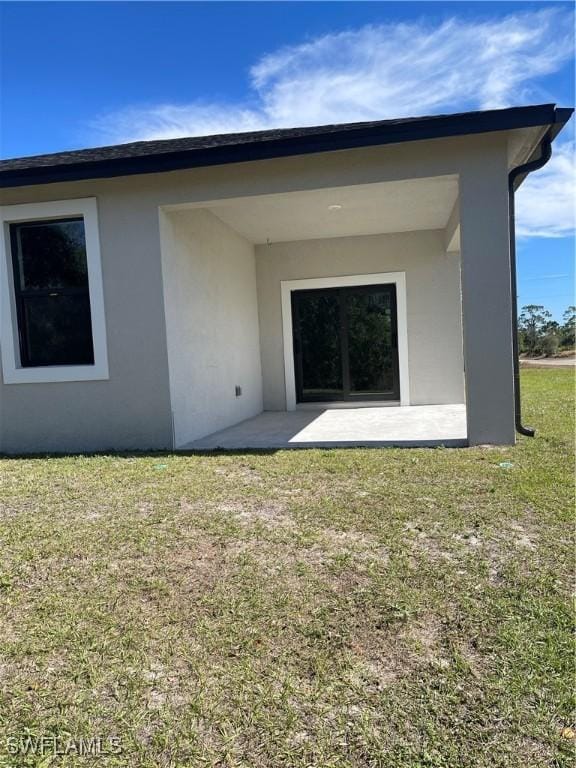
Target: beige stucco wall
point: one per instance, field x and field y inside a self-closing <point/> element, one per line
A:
<point x="133" y="408"/>
<point x="211" y="323"/>
<point x="433" y="304"/>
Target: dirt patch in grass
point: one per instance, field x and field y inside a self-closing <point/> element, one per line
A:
<point x="272" y="513"/>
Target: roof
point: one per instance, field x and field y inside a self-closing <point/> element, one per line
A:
<point x="174" y="154"/>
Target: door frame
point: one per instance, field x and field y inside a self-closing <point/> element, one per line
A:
<point x="343" y="281"/>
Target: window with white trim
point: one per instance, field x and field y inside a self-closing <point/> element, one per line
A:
<point x="52" y="305"/>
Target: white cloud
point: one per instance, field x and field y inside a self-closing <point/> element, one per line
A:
<point x="384" y="71"/>
<point x="545" y="277"/>
<point x="405" y="69"/>
<point x="374" y="73"/>
<point x="172" y="121"/>
<point x="545" y="203"/>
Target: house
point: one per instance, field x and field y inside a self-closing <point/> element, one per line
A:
<point x="155" y="293"/>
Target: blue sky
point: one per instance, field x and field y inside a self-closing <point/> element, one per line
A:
<point x="81" y="74"/>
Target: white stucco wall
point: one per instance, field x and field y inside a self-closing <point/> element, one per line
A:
<point x="433" y="304"/>
<point x="209" y="278"/>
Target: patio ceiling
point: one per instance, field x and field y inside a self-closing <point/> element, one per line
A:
<point x="368" y="209"/>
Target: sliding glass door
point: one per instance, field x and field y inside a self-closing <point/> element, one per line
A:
<point x="345" y="343"/>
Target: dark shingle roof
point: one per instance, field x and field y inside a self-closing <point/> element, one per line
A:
<point x="187" y="144"/>
<point x="173" y="154"/>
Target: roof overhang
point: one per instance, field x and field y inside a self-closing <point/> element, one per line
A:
<point x="172" y="155"/>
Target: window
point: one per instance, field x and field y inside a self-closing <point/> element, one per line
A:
<point x="51" y="290"/>
<point x="52" y="307"/>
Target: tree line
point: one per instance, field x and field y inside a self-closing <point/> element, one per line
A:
<point x="539" y="334"/>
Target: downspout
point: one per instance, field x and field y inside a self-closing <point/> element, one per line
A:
<point x="521" y="170"/>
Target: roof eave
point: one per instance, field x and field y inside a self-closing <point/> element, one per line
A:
<point x="561" y="117"/>
<point x="416" y="130"/>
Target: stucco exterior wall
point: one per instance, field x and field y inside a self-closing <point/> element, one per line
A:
<point x="433" y="304"/>
<point x="133" y="409"/>
<point x="486" y="299"/>
<point x="211" y="323"/>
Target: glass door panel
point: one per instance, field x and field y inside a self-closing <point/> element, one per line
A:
<point x="318" y="344"/>
<point x="371" y="340"/>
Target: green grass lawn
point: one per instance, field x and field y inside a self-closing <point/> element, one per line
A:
<point x="316" y="608"/>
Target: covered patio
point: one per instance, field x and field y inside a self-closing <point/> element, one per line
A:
<point x="338" y="427"/>
<point x="324" y="317"/>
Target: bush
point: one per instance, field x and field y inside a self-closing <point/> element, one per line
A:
<point x="549" y="344"/>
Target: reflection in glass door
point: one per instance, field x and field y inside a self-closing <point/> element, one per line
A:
<point x="345" y="343"/>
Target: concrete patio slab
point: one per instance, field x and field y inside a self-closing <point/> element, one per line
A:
<point x="409" y="426"/>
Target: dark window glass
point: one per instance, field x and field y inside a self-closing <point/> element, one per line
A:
<point x="370" y="341"/>
<point x="51" y="290"/>
<point x="318" y="318"/>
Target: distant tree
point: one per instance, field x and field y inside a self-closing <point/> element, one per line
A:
<point x="534" y="324"/>
<point x="550" y="340"/>
<point x="568" y="328"/>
